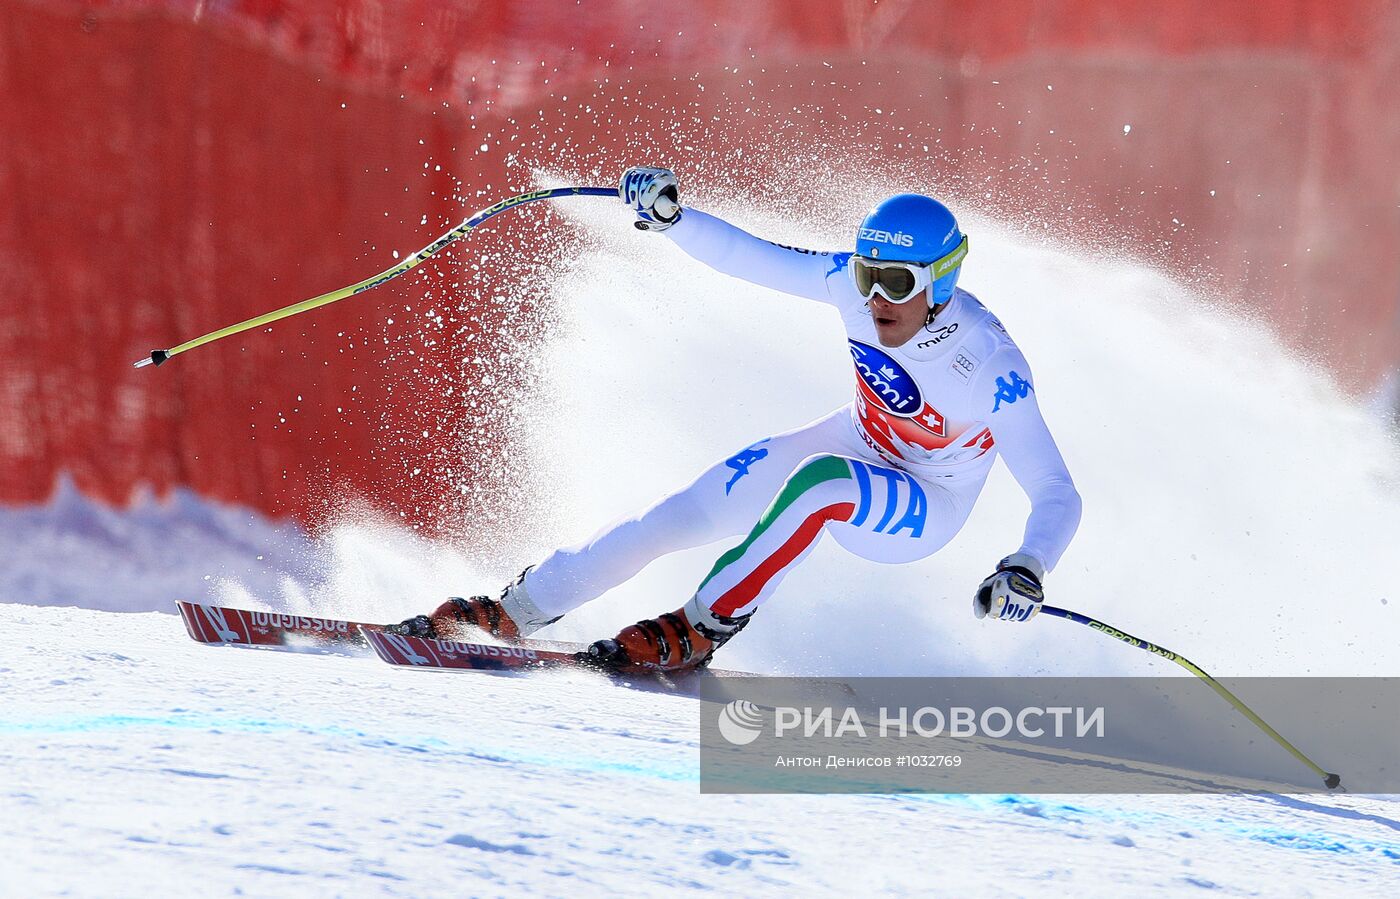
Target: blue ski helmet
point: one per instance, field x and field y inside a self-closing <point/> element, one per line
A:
<point x="919" y="229"/>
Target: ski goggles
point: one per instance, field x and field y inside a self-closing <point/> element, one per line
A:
<point x="900" y="282"/>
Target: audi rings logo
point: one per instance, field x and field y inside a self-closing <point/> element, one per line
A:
<point x="740" y="722"/>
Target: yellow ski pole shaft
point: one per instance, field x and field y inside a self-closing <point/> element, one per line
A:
<point x="411" y="262"/>
<point x="1332" y="781"/>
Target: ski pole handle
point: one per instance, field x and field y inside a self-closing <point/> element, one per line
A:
<point x="666" y="207"/>
<point x="159" y="356"/>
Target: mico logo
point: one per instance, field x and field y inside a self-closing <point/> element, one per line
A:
<point x="740" y="722"/>
<point x="940" y="335"/>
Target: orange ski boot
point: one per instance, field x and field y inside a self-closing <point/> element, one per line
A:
<point x="510" y="618"/>
<point x="669" y="642"/>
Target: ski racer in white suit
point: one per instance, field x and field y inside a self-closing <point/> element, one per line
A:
<point x="940" y="390"/>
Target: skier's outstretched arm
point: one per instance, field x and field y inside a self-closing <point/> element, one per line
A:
<point x="722" y="246"/>
<point x="734" y="251"/>
<point x="1024" y="442"/>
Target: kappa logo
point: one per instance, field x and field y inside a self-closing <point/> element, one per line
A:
<point x="897" y="238"/>
<point x="1010" y="391"/>
<point x="741" y="461"/>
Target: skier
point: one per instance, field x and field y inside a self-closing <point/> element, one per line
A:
<point x="941" y="389"/>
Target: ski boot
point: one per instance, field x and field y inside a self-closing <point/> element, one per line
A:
<point x="458" y="612"/>
<point x="682" y="640"/>
<point x="509" y="618"/>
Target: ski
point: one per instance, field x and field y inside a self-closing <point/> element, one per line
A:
<point x="225" y="625"/>
<point x="446" y="655"/>
<point x="417" y="652"/>
<point x="244" y="627"/>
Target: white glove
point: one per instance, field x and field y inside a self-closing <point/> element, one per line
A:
<point x="1013" y="593"/>
<point x="654" y="194"/>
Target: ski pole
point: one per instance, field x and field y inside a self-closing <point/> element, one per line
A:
<point x="1333" y="781"/>
<point x="325" y="299"/>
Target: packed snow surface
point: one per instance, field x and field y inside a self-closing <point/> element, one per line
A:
<point x="136" y="760"/>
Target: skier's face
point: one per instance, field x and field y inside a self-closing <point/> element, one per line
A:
<point x="897" y="323"/>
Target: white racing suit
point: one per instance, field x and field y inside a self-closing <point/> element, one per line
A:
<point x="891" y="476"/>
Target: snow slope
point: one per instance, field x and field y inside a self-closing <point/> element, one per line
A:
<point x="136" y="760"/>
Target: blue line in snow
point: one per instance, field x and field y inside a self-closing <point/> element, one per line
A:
<point x="199" y="722"/>
<point x="1312" y="841"/>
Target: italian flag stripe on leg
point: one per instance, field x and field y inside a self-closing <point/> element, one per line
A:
<point x="818" y="492"/>
<point x="748" y="589"/>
